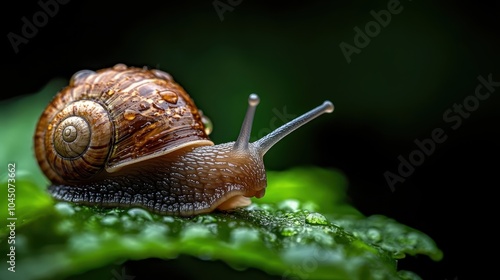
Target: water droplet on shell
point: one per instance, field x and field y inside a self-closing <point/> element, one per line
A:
<point x="129" y="114"/>
<point x="144" y="105"/>
<point x="169" y="96"/>
<point x="120" y="67"/>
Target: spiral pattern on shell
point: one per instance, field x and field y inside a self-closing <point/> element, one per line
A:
<point x="81" y="135"/>
<point x="112" y="118"/>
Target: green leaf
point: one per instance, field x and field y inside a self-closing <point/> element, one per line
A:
<point x="281" y="239"/>
<point x="391" y="236"/>
<point x="303" y="228"/>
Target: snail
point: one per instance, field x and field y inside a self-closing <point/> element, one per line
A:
<point x="132" y="137"/>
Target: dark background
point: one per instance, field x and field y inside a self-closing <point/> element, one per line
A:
<point x="394" y="91"/>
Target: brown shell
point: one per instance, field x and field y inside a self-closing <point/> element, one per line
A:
<point x="114" y="117"/>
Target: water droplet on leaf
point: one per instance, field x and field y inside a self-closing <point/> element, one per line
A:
<point x="412" y="238"/>
<point x="206" y="219"/>
<point x="140" y="214"/>
<point x="195" y="231"/>
<point x="316" y="219"/>
<point x="168" y="219"/>
<point x="65" y="226"/>
<point x="154" y="231"/>
<point x="374" y="235"/>
<point x="398" y="255"/>
<point x="244" y="235"/>
<point x="109" y="220"/>
<point x="65" y="208"/>
<point x="288" y="231"/>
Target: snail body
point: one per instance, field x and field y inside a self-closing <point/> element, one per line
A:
<point x="132" y="137"/>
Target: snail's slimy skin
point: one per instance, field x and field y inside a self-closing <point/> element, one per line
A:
<point x="186" y="182"/>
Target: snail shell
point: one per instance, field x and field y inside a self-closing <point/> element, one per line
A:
<point x="112" y="118"/>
